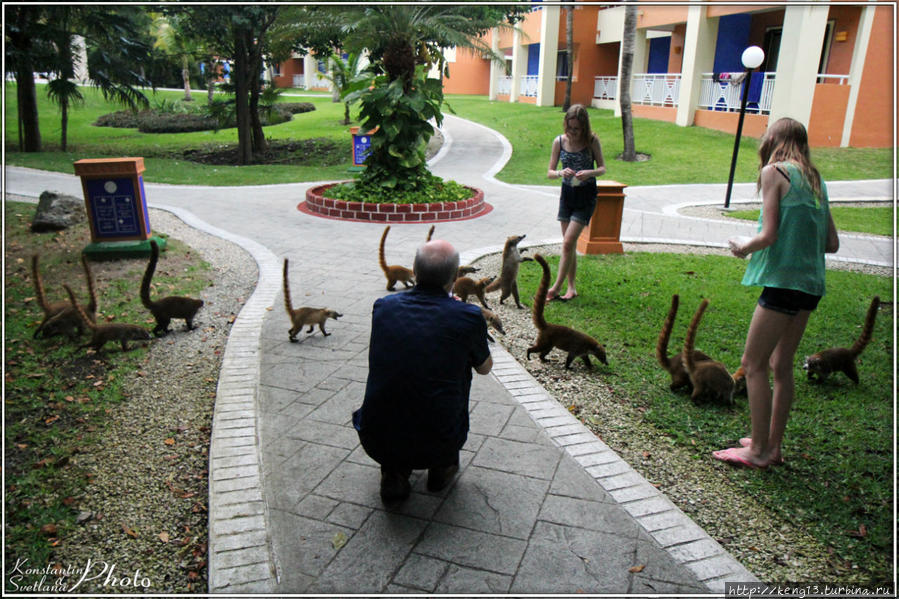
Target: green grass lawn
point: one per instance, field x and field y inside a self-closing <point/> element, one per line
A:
<point x="873" y="220"/>
<point x="678" y="154"/>
<point x="838" y="477"/>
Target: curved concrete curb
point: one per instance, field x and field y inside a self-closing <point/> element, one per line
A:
<point x="239" y="554"/>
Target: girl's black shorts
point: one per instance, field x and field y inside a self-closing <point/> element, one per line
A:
<point x="788" y="301"/>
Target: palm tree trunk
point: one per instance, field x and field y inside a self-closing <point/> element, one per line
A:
<point x="185" y="78"/>
<point x="26" y="95"/>
<point x="569" y="46"/>
<point x="627" y="62"/>
<point x="64" y="124"/>
<point x="241" y="104"/>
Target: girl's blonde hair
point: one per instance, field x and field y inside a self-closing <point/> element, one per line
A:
<point x="577" y="112"/>
<point x="787" y="140"/>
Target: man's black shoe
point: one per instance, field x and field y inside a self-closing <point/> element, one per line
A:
<point x="394" y="486"/>
<point x="440" y="477"/>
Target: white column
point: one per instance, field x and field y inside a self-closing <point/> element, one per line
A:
<point x="519" y="66"/>
<point x="497" y="70"/>
<point x="549" y="49"/>
<point x="857" y="68"/>
<point x="80" y="60"/>
<point x="639" y="65"/>
<point x="700" y="38"/>
<point x="797" y="62"/>
<point x="310" y="69"/>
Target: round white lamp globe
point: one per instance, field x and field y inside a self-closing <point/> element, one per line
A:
<point x="752" y="57"/>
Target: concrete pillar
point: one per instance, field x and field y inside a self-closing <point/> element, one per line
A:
<point x="81" y="75"/>
<point x="497" y="70"/>
<point x="804" y="28"/>
<point x="310" y="69"/>
<point x="549" y="50"/>
<point x="519" y="66"/>
<point x="857" y="68"/>
<point x="700" y="39"/>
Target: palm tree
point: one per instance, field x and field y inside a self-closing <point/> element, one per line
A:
<point x="404" y="41"/>
<point x="569" y="48"/>
<point x="341" y="73"/>
<point x="172" y="40"/>
<point x="627" y="62"/>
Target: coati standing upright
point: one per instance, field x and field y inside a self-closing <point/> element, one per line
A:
<point x="305" y="316"/>
<point x="167" y="308"/>
<point x="674" y="365"/>
<point x="61" y="317"/>
<point x="508" y="277"/>
<point x="576" y="343"/>
<point x="711" y="380"/>
<point x="465" y="286"/>
<point x="394" y="273"/>
<point x="840" y="359"/>
<point x="103" y="333"/>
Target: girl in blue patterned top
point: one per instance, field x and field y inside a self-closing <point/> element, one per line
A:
<point x="795" y="231"/>
<point x="578" y="149"/>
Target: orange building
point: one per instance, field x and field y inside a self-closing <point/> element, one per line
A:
<point x="687" y="65"/>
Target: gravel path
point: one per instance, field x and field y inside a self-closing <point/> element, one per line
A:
<point x="144" y="511"/>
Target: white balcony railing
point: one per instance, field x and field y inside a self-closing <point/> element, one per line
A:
<point x="299" y="81"/>
<point x="835" y="79"/>
<point x="529" y="86"/>
<point x="716" y="94"/>
<point x="656" y="89"/>
<point x="504" y="86"/>
<point x="317" y="81"/>
<point x="604" y="88"/>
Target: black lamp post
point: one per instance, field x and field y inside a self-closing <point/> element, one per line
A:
<point x="752" y="57"/>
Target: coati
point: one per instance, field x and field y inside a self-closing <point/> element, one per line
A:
<point x="61" y="317"/>
<point x="711" y="380"/>
<point x="739" y="377"/>
<point x="577" y="344"/>
<point x="839" y="359"/>
<point x="465" y="286"/>
<point x="305" y="316"/>
<point x="508" y="278"/>
<point x="394" y="273"/>
<point x="493" y="321"/>
<point x="674" y="365"/>
<point x="103" y="333"/>
<point x="167" y="308"/>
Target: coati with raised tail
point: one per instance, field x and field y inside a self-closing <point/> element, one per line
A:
<point x="305" y="316"/>
<point x="508" y="277"/>
<point x="465" y="286"/>
<point x="394" y="273"/>
<point x="101" y="334"/>
<point x="61" y="317"/>
<point x="167" y="308"/>
<point x="492" y="320"/>
<point x="576" y="343"/>
<point x="674" y="365"/>
<point x="711" y="380"/>
<point x="840" y="359"/>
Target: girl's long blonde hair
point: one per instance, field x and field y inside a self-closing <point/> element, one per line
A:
<point x="787" y="140"/>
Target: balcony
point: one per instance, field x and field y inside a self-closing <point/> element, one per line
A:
<point x="724" y="92"/>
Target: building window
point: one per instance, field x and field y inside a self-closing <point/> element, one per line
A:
<point x="562" y="64"/>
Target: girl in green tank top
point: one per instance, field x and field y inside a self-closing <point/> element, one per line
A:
<point x="787" y="259"/>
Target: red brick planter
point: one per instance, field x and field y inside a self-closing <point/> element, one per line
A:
<point x="318" y="205"/>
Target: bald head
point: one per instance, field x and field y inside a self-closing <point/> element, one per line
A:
<point x="435" y="264"/>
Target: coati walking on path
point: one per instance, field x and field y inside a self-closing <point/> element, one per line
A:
<point x="508" y="277"/>
<point x="711" y="380"/>
<point x="394" y="273"/>
<point x="103" y="333"/>
<point x="840" y="359"/>
<point x="465" y="286"/>
<point x="674" y="365"/>
<point x="576" y="343"/>
<point x="61" y="317"/>
<point x="167" y="308"/>
<point x="305" y="316"/>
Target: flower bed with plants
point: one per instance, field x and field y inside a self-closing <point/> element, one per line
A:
<point x="319" y="203"/>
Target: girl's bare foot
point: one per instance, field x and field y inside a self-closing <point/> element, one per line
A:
<point x="776" y="458"/>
